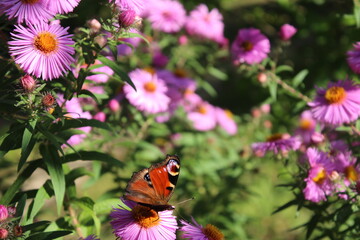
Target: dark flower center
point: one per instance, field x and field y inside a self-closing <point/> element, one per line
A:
<point x="247" y="46"/>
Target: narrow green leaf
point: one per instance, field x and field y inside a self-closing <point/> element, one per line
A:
<point x="286" y="205"/>
<point x="133" y="35"/>
<point x="357" y="13"/>
<point x="42" y="224"/>
<point x="76" y="173"/>
<point x="20" y="206"/>
<point x="53" y="163"/>
<point x="11" y="141"/>
<point x="39" y="200"/>
<point x="283" y="68"/>
<point x="217" y="73"/>
<point x="92" y="156"/>
<point x="27" y="143"/>
<point x="118" y="71"/>
<point x="22" y="177"/>
<point x="88" y="93"/>
<point x="82" y="122"/>
<point x="105" y="206"/>
<point x="273" y="90"/>
<point x="48" y="235"/>
<point x="299" y="78"/>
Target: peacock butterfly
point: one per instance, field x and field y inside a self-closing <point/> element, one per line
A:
<point x="154" y="186"/>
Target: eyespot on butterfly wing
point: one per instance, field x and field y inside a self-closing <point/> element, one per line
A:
<point x="154" y="186"/>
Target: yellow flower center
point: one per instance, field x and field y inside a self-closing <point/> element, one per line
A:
<point x="351" y="174"/>
<point x="29" y="1"/>
<point x="145" y="216"/>
<point x="305" y="124"/>
<point x="247" y="45"/>
<point x="274" y="137"/>
<point x="320" y="177"/>
<point x="46" y="42"/>
<point x="212" y="232"/>
<point x="180" y="73"/>
<point x="150" y="86"/>
<point x="201" y="109"/>
<point x="335" y="95"/>
<point x="229" y="114"/>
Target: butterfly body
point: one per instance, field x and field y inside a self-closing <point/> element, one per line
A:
<point x="154" y="186"/>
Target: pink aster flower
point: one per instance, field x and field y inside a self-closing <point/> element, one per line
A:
<point x="306" y="127"/>
<point x="202" y="116"/>
<point x="62" y="6"/>
<point x="206" y="24"/>
<point x="137" y="222"/>
<point x="150" y="95"/>
<point x="337" y="104"/>
<point x="277" y="143"/>
<point x="353" y="58"/>
<point x="167" y="16"/>
<point x="287" y="31"/>
<point x="42" y="50"/>
<point x="195" y="231"/>
<point x="250" y="46"/>
<point x="102" y="73"/>
<point x="33" y="12"/>
<point x="346" y="165"/>
<point x="225" y="119"/>
<point x="137" y="5"/>
<point x="318" y="183"/>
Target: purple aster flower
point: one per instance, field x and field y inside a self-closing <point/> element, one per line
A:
<point x="33" y="12"/>
<point x="195" y="231"/>
<point x="318" y="183"/>
<point x="150" y="95"/>
<point x="337" y="104"/>
<point x="167" y="16"/>
<point x="42" y="50"/>
<point x="137" y="5"/>
<point x="346" y="164"/>
<point x="250" y="46"/>
<point x="287" y="31"/>
<point x="62" y="6"/>
<point x="202" y="116"/>
<point x="225" y="119"/>
<point x="3" y="213"/>
<point x="353" y="58"/>
<point x="132" y="221"/>
<point x="206" y="24"/>
<point x="306" y="127"/>
<point x="277" y="143"/>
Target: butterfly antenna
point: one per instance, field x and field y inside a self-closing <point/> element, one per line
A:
<point x="184" y="201"/>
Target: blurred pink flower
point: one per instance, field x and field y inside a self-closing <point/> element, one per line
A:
<point x="277" y="143"/>
<point x="137" y="5"/>
<point x="339" y="103"/>
<point x="100" y="116"/>
<point x="183" y="40"/>
<point x="318" y="183"/>
<point x="250" y="46"/>
<point x="150" y="95"/>
<point x="102" y="73"/>
<point x="306" y="127"/>
<point x="114" y="105"/>
<point x="195" y="231"/>
<point x="202" y="116"/>
<point x="136" y="221"/>
<point x="3" y="233"/>
<point x="205" y="24"/>
<point x="167" y="16"/>
<point x="124" y="49"/>
<point x="353" y="58"/>
<point x="287" y="31"/>
<point x="225" y="120"/>
<point x="62" y="6"/>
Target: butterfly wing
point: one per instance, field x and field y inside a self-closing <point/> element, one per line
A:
<point x="155" y="185"/>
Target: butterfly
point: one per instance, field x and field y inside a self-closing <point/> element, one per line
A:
<point x="154" y="186"/>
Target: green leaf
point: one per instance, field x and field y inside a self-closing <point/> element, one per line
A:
<point x="76" y="173"/>
<point x="27" y="144"/>
<point x="39" y="200"/>
<point x="34" y="225"/>
<point x="105" y="206"/>
<point x="286" y="205"/>
<point x="53" y="163"/>
<point x="21" y="205"/>
<point x="133" y="35"/>
<point x="11" y="141"/>
<point x="92" y="156"/>
<point x="217" y="73"/>
<point x="273" y="90"/>
<point x="22" y="177"/>
<point x="117" y="70"/>
<point x="88" y="93"/>
<point x="299" y="78"/>
<point x="48" y="235"/>
<point x="82" y="122"/>
<point x="283" y="68"/>
<point x="357" y="13"/>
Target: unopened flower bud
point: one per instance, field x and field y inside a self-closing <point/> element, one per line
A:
<point x="18" y="231"/>
<point x="3" y="213"/>
<point x="261" y="77"/>
<point x="127" y="18"/>
<point x="114" y="105"/>
<point x="334" y="176"/>
<point x="3" y="233"/>
<point x="100" y="116"/>
<point x="160" y="60"/>
<point x="94" y="25"/>
<point x="317" y="137"/>
<point x="48" y="100"/>
<point x="287" y="31"/>
<point x="28" y="83"/>
<point x="183" y="40"/>
<point x="265" y="108"/>
<point x="11" y="211"/>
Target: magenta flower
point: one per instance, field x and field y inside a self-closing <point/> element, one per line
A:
<point x="102" y="73"/>
<point x="346" y="164"/>
<point x="287" y="31"/>
<point x="206" y="24"/>
<point x="306" y="127"/>
<point x="195" y="231"/>
<point x="100" y="116"/>
<point x="277" y="143"/>
<point x="33" y="12"/>
<point x="167" y="16"/>
<point x="132" y="221"/>
<point x="127" y="18"/>
<point x="318" y="183"/>
<point x="225" y="119"/>
<point x="353" y="58"/>
<point x="250" y="46"/>
<point x="62" y="6"/>
<point x="202" y="116"/>
<point x="42" y="50"/>
<point x="137" y="5"/>
<point x="3" y="213"/>
<point x="337" y="104"/>
<point x="150" y="95"/>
